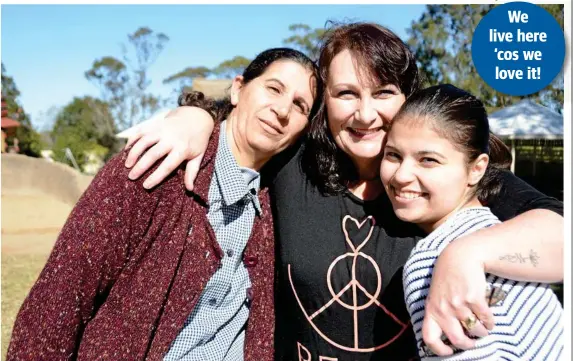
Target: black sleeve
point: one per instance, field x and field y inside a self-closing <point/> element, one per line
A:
<point x="517" y="197"/>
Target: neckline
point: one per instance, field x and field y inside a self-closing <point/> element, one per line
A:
<point x="454" y="217"/>
<point x="380" y="198"/>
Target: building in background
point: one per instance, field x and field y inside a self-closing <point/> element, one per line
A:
<point x="534" y="134"/>
<point x="9" y="127"/>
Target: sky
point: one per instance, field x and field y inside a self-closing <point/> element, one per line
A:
<point x="47" y="48"/>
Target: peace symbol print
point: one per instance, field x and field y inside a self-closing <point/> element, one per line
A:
<point x="356" y="287"/>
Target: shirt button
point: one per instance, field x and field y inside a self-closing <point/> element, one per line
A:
<point x="213" y="301"/>
<point x="230" y="253"/>
<point x="253" y="191"/>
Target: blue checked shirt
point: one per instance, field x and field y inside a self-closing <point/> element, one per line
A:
<point x="215" y="329"/>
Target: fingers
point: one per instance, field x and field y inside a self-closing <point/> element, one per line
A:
<point x="478" y="330"/>
<point x="173" y="160"/>
<point x="473" y="326"/>
<point x="483" y="313"/>
<point x="148" y="159"/>
<point x="455" y="333"/>
<point x="191" y="170"/>
<point x="132" y="139"/>
<point x="432" y="335"/>
<point x="144" y="128"/>
<point x="138" y="148"/>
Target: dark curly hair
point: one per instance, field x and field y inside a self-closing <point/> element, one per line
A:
<point x="220" y="109"/>
<point x="461" y="118"/>
<point x="198" y="99"/>
<point x="380" y="54"/>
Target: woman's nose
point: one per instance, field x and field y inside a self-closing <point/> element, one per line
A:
<point x="366" y="112"/>
<point x="404" y="174"/>
<point x="282" y="108"/>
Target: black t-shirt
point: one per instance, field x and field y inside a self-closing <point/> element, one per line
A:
<point x="339" y="292"/>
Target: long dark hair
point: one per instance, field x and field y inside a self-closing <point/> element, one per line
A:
<point x="379" y="54"/>
<point x="219" y="110"/>
<point x="461" y="118"/>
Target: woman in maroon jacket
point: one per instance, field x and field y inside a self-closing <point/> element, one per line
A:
<point x="130" y="265"/>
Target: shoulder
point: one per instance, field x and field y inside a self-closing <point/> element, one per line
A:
<point x="472" y="219"/>
<point x="113" y="181"/>
<point x="462" y="223"/>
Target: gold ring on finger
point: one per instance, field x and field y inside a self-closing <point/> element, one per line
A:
<point x="470" y="322"/>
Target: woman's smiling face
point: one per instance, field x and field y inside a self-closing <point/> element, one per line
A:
<point x="425" y="175"/>
<point x="358" y="107"/>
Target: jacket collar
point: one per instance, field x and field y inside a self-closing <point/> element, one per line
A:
<point x="207" y="167"/>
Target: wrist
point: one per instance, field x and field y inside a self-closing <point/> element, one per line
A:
<point x="197" y="114"/>
<point x="468" y="247"/>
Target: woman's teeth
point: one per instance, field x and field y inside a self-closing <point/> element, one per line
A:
<point x="408" y="195"/>
<point x="364" y="131"/>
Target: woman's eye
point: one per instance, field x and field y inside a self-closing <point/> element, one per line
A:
<point x="392" y="156"/>
<point x="429" y="161"/>
<point x="300" y="108"/>
<point x="346" y="93"/>
<point x="384" y="93"/>
<point x="274" y="89"/>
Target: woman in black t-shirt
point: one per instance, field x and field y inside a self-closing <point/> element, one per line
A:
<point x="341" y="249"/>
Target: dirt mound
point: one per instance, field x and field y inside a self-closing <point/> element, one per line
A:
<point x="27" y="175"/>
<point x="37" y="197"/>
<point x="212" y="88"/>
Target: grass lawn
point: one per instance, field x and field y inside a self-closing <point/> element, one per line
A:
<point x="19" y="272"/>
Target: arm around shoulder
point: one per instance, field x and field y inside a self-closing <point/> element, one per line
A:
<point x="528" y="245"/>
<point x="182" y="135"/>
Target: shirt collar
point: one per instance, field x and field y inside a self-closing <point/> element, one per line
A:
<point x="234" y="182"/>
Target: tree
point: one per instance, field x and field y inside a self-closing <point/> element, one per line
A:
<point x="184" y="78"/>
<point x="84" y="125"/>
<point x="123" y="83"/>
<point x="111" y="76"/>
<point x="231" y="68"/>
<point x="30" y="142"/>
<point x="441" y="40"/>
<point x="306" y="39"/>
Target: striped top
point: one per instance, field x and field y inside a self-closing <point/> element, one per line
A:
<point x="528" y="324"/>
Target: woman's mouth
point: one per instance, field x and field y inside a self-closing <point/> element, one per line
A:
<point x="364" y="133"/>
<point x="407" y="195"/>
<point x="270" y="127"/>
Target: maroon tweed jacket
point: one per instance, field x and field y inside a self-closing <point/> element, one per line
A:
<point x="128" y="268"/>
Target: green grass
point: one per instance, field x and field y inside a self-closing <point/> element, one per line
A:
<point x="19" y="272"/>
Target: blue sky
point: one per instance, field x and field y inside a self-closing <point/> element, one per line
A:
<point x="47" y="48"/>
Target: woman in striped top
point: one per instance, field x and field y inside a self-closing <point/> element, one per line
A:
<point x="439" y="169"/>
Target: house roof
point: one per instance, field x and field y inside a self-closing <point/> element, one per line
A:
<point x="9" y="123"/>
